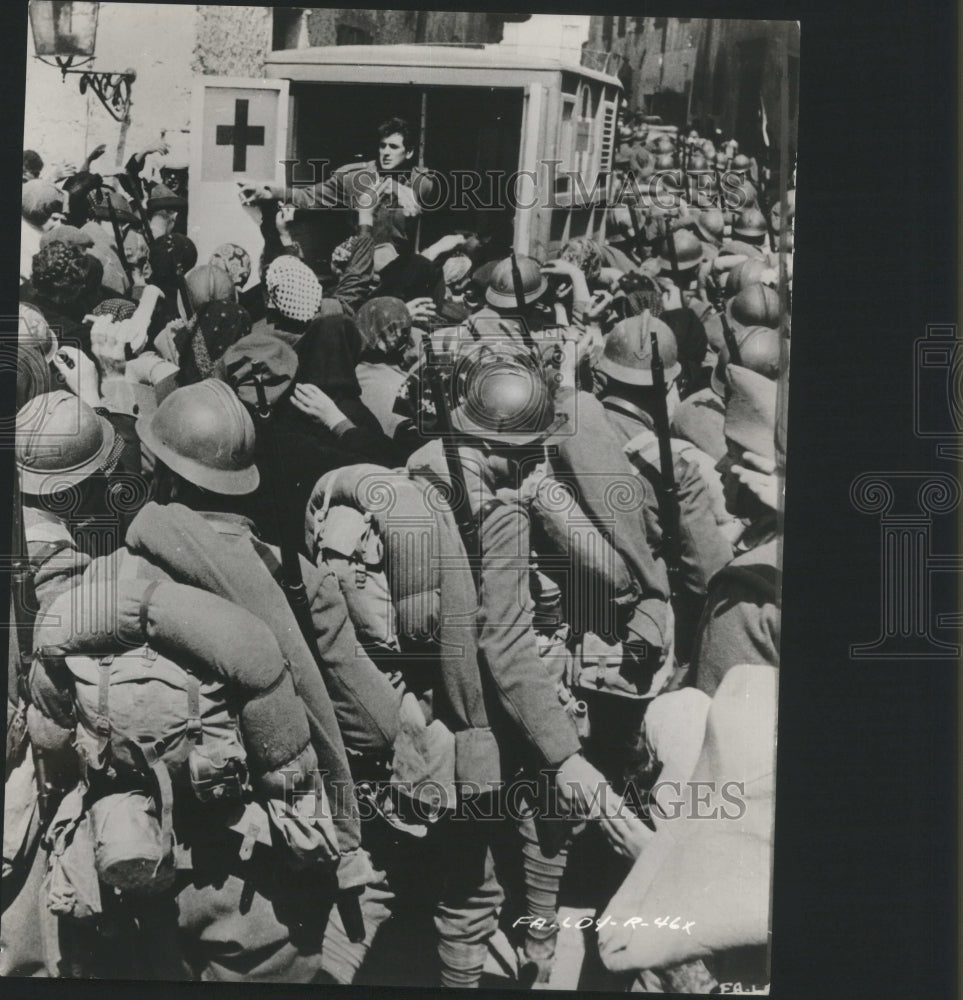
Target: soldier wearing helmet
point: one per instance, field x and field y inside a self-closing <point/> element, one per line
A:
<point x="203" y="439"/>
<point x="741" y="618"/>
<point x="75" y="502"/>
<point x="700" y="417"/>
<point x="494" y="692"/>
<point x="750" y="227"/>
<point x="628" y="396"/>
<point x="507" y="321"/>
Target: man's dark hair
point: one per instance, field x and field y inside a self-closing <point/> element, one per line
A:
<point x="400" y="126"/>
<point x="32" y="164"/>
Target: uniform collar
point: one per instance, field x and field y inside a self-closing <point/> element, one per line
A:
<point x="228" y="524"/>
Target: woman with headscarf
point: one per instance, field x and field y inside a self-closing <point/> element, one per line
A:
<point x="293" y="298"/>
<point x="208" y="283"/>
<point x="171" y="257"/>
<point x="327" y="396"/>
<point x="64" y="287"/>
<point x="384" y="324"/>
<point x="300" y="448"/>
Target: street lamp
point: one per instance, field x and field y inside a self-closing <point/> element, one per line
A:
<point x="68" y="33"/>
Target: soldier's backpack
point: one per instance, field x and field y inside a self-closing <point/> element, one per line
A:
<point x="373" y="527"/>
<point x="200" y="708"/>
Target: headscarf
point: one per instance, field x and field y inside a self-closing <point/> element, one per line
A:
<point x="329" y="352"/>
<point x="455" y="268"/>
<point x="171" y="256"/>
<point x="585" y="254"/>
<point x="235" y="260"/>
<point x="216" y="327"/>
<point x="384" y="324"/>
<point x="208" y="283"/>
<point x="117" y="309"/>
<point x="293" y="289"/>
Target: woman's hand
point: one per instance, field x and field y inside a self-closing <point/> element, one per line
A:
<point x="573" y="272"/>
<point x="422" y="310"/>
<point x="317" y="404"/>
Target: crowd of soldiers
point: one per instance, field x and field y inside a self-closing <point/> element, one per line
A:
<point x="401" y="599"/>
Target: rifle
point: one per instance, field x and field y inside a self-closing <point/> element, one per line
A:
<point x="669" y="493"/>
<point x="292" y="583"/>
<point x="764" y="207"/>
<point x="118" y="240"/>
<point x="638" y="234"/>
<point x="460" y="507"/>
<point x="673" y="257"/>
<point x="141" y="211"/>
<point x="520" y="303"/>
<point x="735" y="357"/>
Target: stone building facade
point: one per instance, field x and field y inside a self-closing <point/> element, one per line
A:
<point x="723" y="74"/>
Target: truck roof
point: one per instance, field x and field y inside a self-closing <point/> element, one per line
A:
<point x="296" y="63"/>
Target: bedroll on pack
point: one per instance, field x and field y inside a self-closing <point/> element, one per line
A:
<point x="183" y="692"/>
<point x="373" y="528"/>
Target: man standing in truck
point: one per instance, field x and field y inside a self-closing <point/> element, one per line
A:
<point x="401" y="188"/>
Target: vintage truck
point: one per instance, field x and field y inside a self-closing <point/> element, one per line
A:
<point x="522" y="146"/>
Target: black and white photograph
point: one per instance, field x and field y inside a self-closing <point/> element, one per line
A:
<point x="402" y="416"/>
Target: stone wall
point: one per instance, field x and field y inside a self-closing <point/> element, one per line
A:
<point x="155" y="39"/>
<point x="231" y="41"/>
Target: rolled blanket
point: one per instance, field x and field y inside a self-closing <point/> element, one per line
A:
<point x="186" y="547"/>
<point x="175" y="620"/>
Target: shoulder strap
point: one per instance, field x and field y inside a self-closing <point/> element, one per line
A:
<point x="618" y="405"/>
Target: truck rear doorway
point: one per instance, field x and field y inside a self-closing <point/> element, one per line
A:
<point x="467" y="132"/>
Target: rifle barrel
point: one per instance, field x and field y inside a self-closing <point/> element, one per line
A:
<point x="669" y="493"/>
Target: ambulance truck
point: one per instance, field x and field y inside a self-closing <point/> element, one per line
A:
<point x="521" y="146"/>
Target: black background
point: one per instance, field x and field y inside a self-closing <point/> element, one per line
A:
<point x="866" y="872"/>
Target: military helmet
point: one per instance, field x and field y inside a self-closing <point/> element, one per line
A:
<point x="750" y="222"/>
<point x="204" y="434"/>
<point x="741" y="164"/>
<point x="627" y="355"/>
<point x="505" y="400"/>
<point x="665" y="144"/>
<point x="60" y="442"/>
<point x="776" y="213"/>
<point x="501" y="287"/>
<point x="759" y="351"/>
<point x="33" y="329"/>
<point x="688" y="251"/>
<point x="698" y="164"/>
<point x="711" y="224"/>
<point x="745" y="273"/>
<point x="754" y="305"/>
<point x="721" y="160"/>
